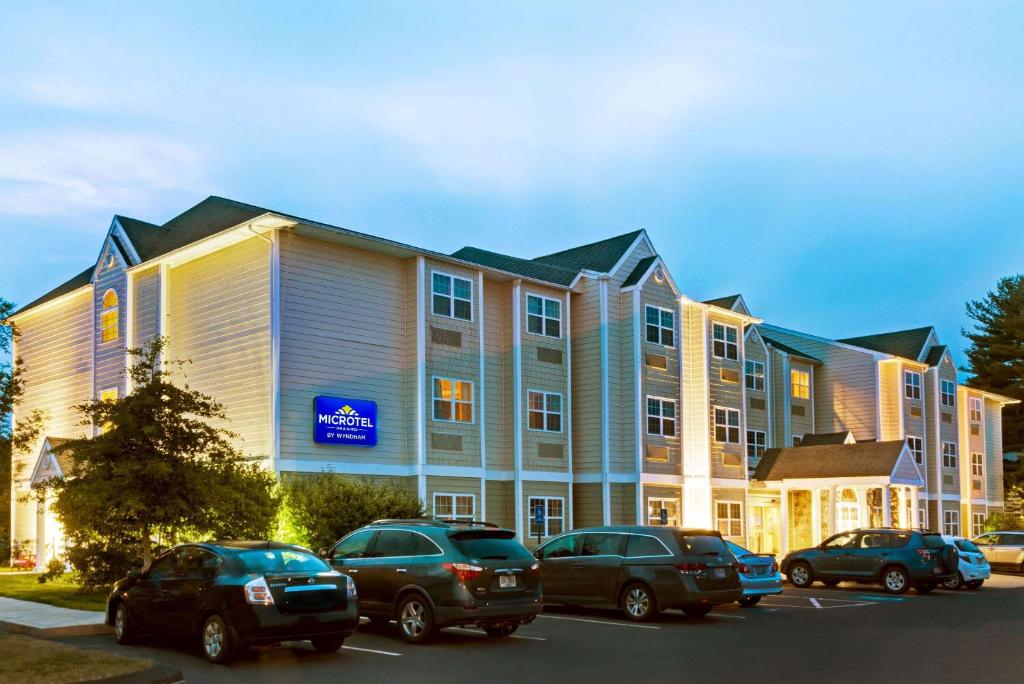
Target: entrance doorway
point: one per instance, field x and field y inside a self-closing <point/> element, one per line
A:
<point x="847" y="510"/>
<point x="764" y="528"/>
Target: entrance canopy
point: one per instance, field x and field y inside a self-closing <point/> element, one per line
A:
<point x="863" y="463"/>
<point x="50" y="463"/>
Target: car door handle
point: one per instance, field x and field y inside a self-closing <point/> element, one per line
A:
<point x="402" y="570"/>
<point x="352" y="571"/>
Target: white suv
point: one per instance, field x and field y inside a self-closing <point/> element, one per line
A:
<point x="974" y="567"/>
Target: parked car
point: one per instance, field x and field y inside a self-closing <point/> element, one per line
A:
<point x="973" y="568"/>
<point x="641" y="570"/>
<point x="430" y="574"/>
<point x="1004" y="550"/>
<point x="895" y="558"/>
<point x="235" y="594"/>
<point x="759" y="574"/>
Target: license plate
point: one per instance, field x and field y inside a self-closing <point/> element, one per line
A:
<point x="506" y="581"/>
<point x="719" y="573"/>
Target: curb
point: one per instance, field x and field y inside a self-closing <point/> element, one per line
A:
<point x="157" y="674"/>
<point x="55" y="632"/>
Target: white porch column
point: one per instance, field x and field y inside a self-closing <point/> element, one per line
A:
<point x="832" y="510"/>
<point x="816" y="516"/>
<point x="783" y="522"/>
<point x="863" y="514"/>
<point x="886" y="506"/>
<point x="40" y="536"/>
<point x="915" y="514"/>
<point x="901" y="498"/>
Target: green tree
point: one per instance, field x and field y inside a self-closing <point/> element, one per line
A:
<point x="324" y="508"/>
<point x="158" y="472"/>
<point x="1012" y="517"/>
<point x="996" y="352"/>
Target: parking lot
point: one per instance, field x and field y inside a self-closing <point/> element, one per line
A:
<point x="841" y="634"/>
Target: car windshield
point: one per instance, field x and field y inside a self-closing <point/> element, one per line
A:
<point x="701" y="544"/>
<point x="489" y="546"/>
<point x="965" y="545"/>
<point x="738" y="550"/>
<point x="276" y="561"/>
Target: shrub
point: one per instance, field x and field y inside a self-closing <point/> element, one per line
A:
<point x="54" y="569"/>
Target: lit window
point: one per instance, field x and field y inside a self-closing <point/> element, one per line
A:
<point x="661" y="416"/>
<point x="554" y="515"/>
<point x="108" y="395"/>
<point x="756" y="444"/>
<point x="949" y="455"/>
<point x="453" y="297"/>
<point x="977" y="524"/>
<point x="724" y="341"/>
<point x="978" y="465"/>
<point x="800" y="381"/>
<point x="108" y="317"/>
<point x="729" y="518"/>
<point x="455" y="506"/>
<point x="656" y="505"/>
<point x="975" y="409"/>
<point x="798" y="440"/>
<point x="543" y="316"/>
<point x="916" y="449"/>
<point x="727" y="425"/>
<point x="453" y="400"/>
<point x="545" y="410"/>
<point x="948" y="393"/>
<point x="754" y="375"/>
<point x="951" y="523"/>
<point x="661" y="326"/>
<point x="912" y="385"/>
<point x="922" y="517"/>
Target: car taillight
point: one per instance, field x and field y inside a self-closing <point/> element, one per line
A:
<point x="464" y="571"/>
<point x="257" y="593"/>
<point x="775" y="567"/>
<point x="535" y="569"/>
<point x="741" y="568"/>
<point x="925" y="554"/>
<point x="691" y="568"/>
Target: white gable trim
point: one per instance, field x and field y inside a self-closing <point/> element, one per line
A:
<point x="642" y="237"/>
<point x="45" y="456"/>
<point x="657" y="263"/>
<point x="117" y="229"/>
<point x="905" y="457"/>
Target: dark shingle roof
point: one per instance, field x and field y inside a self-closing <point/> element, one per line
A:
<point x="905" y="343"/>
<point x="935" y="354"/>
<point x="825" y="438"/>
<point x="786" y="348"/>
<point x="830" y="461"/>
<point x="511" y="264"/>
<point x="597" y="256"/>
<point x="723" y="302"/>
<point x="80" y="280"/>
<point x="639" y="271"/>
<point x="144" y="236"/>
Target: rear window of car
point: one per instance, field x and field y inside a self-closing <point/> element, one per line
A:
<point x="701" y="545"/>
<point x="278" y="561"/>
<point x="899" y="540"/>
<point x="965" y="545"/>
<point x="933" y="541"/>
<point x="641" y="545"/>
<point x="490" y="546"/>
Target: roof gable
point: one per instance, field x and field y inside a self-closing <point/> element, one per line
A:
<point x="511" y="264"/>
<point x="601" y="256"/>
<point x="908" y="344"/>
<point x="732" y="302"/>
<point x="818" y="439"/>
<point x="786" y="349"/>
<point x="830" y="461"/>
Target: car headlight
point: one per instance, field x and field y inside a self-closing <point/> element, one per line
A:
<point x="350" y="587"/>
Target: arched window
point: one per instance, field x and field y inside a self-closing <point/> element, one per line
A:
<point x="108" y="317"/>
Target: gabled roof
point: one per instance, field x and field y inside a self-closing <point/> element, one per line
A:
<point x="511" y="264"/>
<point x="598" y="256"/>
<point x="723" y="302"/>
<point x="935" y="354"/>
<point x="787" y="349"/>
<point x="144" y="236"/>
<point x="816" y="439"/>
<point x="904" y="343"/>
<point x="864" y="459"/>
<point x="639" y="271"/>
<point x="70" y="285"/>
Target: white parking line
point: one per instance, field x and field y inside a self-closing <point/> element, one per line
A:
<point x="511" y="636"/>
<point x="725" y="615"/>
<point x="371" y="650"/>
<point x="599" y="622"/>
<point x="814" y="602"/>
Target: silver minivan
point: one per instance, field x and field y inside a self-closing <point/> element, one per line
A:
<point x="1004" y="550"/>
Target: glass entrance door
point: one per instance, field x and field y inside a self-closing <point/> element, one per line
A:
<point x="764" y="528"/>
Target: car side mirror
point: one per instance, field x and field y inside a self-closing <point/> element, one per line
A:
<point x="323" y="552"/>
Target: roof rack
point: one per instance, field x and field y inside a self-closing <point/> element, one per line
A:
<point x="468" y="523"/>
<point x="434" y="522"/>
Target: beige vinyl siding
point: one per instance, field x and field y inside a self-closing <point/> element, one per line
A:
<point x="757" y="419"/>
<point x="905" y="469"/>
<point x="408" y="351"/>
<point x="948" y="432"/>
<point x="145" y="306"/>
<point x="623" y="504"/>
<point x="587" y="509"/>
<point x="586" y="377"/>
<point x="780" y="405"/>
<point x="845" y="384"/>
<point x="732" y="495"/>
<point x="501" y="499"/>
<point x="533" y="488"/>
<point x="220" y="322"/>
<point x="657" y="382"/>
<point x="660" y="492"/>
<point x="453" y="485"/>
<point x="542" y="376"/>
<point x="498" y="371"/>
<point x="802" y="425"/>
<point x="344" y="333"/>
<point x="725" y="395"/>
<point x="890" y="393"/>
<point x="913" y="425"/>
<point x="994" y="449"/>
<point x="109" y="360"/>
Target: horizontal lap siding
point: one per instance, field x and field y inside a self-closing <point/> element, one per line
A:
<point x="109" y="360"/>
<point x="803" y="425"/>
<point x="757" y="419"/>
<point x="453" y="485"/>
<point x="725" y="395"/>
<point x="543" y="376"/>
<point x="344" y="333"/>
<point x="623" y="504"/>
<point x="586" y="377"/>
<point x="587" y="505"/>
<point x="994" y="449"/>
<point x="219" y="307"/>
<point x="657" y="382"/>
<point x="145" y="306"/>
<point x="501" y="503"/>
<point x="948" y="432"/>
<point x="498" y="371"/>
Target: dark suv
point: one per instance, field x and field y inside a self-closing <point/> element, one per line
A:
<point x="642" y="570"/>
<point x="894" y="558"/>
<point x="429" y="574"/>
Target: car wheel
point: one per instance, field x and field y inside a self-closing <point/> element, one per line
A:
<point x="696" y="611"/>
<point x="638" y="603"/>
<point x="974" y="584"/>
<point x="217" y="645"/>
<point x="501" y="631"/>
<point x="749" y="601"/>
<point x="954" y="582"/>
<point x="830" y="583"/>
<point x="895" y="580"/>
<point x="925" y="587"/>
<point x="801" y="575"/>
<point x="416" y="620"/>
<point x="327" y="644"/>
<point x="124" y="627"/>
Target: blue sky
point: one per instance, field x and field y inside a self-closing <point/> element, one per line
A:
<point x="850" y="169"/>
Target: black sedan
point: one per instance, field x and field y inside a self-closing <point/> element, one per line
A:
<point x="235" y="594"/>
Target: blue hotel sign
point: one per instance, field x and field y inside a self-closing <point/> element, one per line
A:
<point x="349" y="422"/>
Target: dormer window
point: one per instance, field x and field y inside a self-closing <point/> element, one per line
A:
<point x="108" y="317"/>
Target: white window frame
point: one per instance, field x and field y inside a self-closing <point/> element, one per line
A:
<point x="730" y="519"/>
<point x="752" y="442"/>
<point x="922" y="517"/>
<point x="797" y="389"/>
<point x="543" y="315"/>
<point x="975" y="409"/>
<point x="434" y="398"/>
<point x="977" y="524"/>
<point x="977" y="464"/>
<point x="797" y="440"/>
<point x="912" y="385"/>
<point x="727" y="425"/>
<point x="756" y="376"/>
<point x="661" y="327"/>
<point x="660" y="416"/>
<point x="113" y="313"/>
<point x="451" y="296"/>
<point x="546" y="532"/>
<point x="951" y="523"/>
<point x="453" y="496"/>
<point x="917" y="453"/>
<point x="945" y="392"/>
<point x="545" y="411"/>
<point x="735" y="345"/>
<point x="950" y="456"/>
<point x="654" y="506"/>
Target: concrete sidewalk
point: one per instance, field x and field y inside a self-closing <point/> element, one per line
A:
<point x="42" y="620"/>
